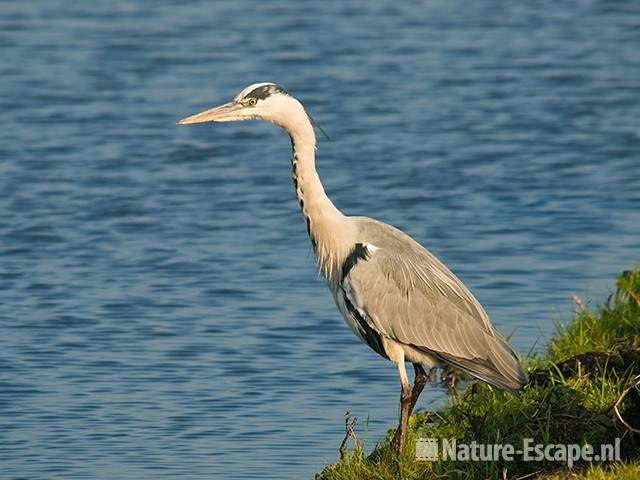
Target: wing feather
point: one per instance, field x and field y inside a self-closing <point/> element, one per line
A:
<point x="408" y="295"/>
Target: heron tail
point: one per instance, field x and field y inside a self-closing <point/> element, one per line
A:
<point x="501" y="369"/>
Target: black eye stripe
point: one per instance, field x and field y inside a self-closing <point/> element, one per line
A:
<point x="265" y="91"/>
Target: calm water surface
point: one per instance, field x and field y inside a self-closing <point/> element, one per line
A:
<point x="161" y="314"/>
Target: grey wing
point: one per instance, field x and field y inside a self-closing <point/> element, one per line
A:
<point x="406" y="294"/>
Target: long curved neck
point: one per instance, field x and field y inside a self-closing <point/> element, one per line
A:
<point x="330" y="231"/>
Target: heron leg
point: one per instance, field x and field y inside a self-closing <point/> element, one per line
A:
<point x="405" y="410"/>
<point x="420" y="380"/>
<point x="408" y="399"/>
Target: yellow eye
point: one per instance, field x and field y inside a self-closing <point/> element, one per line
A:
<point x="252" y="102"/>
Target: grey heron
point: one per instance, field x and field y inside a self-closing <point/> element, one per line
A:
<point x="395" y="295"/>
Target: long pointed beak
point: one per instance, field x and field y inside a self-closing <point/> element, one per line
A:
<point x="222" y="113"/>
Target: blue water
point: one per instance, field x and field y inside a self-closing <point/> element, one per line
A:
<point x="161" y="314"/>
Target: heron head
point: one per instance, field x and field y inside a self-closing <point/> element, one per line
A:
<point x="260" y="101"/>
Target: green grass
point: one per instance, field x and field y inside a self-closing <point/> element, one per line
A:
<point x="586" y="368"/>
<point x="615" y="471"/>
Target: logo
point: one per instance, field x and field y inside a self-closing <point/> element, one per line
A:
<point x="432" y="449"/>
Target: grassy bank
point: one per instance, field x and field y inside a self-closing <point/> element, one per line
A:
<point x="583" y="389"/>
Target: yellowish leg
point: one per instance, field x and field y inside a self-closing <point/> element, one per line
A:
<point x="405" y="410"/>
<point x="408" y="399"/>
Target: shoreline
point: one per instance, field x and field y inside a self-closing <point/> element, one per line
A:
<point x="583" y="395"/>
